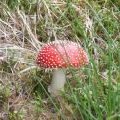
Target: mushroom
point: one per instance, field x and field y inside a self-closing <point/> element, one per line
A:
<point x="59" y="55"/>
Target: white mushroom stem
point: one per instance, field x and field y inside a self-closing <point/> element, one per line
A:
<point x="58" y="81"/>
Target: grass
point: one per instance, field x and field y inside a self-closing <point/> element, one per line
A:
<point x="91" y="92"/>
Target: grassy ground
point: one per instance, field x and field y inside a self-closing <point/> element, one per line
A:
<point x="92" y="92"/>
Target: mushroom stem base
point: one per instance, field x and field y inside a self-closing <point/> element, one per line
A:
<point x="58" y="82"/>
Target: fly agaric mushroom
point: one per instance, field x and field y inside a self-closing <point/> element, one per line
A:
<point x="60" y="55"/>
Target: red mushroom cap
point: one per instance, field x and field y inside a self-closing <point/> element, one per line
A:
<point x="62" y="54"/>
